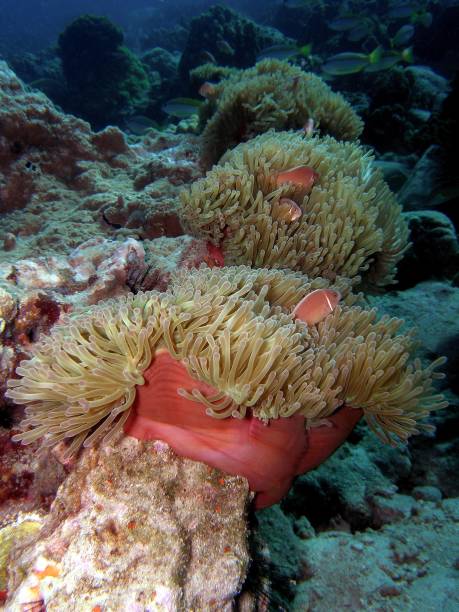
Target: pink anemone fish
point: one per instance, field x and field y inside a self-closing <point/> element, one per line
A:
<point x="302" y="176"/>
<point x="287" y="210"/>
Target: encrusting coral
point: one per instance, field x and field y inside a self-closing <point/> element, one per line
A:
<point x="210" y="72"/>
<point x="24" y="527"/>
<point x="346" y="220"/>
<point x="272" y="94"/>
<point x="244" y="355"/>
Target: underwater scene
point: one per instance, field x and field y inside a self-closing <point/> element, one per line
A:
<point x="229" y="306"/>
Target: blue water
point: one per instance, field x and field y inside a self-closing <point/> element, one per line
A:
<point x="29" y="25"/>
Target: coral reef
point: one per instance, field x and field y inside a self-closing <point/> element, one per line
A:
<point x="349" y="221"/>
<point x="407" y="99"/>
<point x="210" y="72"/>
<point x="43" y="71"/>
<point x="162" y="69"/>
<point x="272" y="94"/>
<point x="434" y="252"/>
<point x="105" y="80"/>
<point x="97" y="269"/>
<point x="29" y="480"/>
<point x="306" y="21"/>
<point x="36" y="292"/>
<point x="85" y="216"/>
<point x="437" y="334"/>
<point x="61" y="184"/>
<point x="135" y="527"/>
<point x="231" y="38"/>
<point x="398" y="566"/>
<point x="88" y="216"/>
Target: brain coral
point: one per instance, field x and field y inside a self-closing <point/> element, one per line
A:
<point x="232" y="329"/>
<point x="348" y="221"/>
<point x="272" y="94"/>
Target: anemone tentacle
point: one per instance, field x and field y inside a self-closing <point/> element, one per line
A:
<point x="234" y="330"/>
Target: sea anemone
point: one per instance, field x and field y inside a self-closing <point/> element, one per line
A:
<point x="222" y="347"/>
<point x="342" y="220"/>
<point x="272" y="95"/>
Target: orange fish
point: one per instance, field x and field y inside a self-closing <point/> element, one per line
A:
<point x="303" y="176"/>
<point x="207" y="90"/>
<point x="315" y="306"/>
<point x="287" y="210"/>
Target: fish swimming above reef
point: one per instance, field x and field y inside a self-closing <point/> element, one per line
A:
<point x="181" y="107"/>
<point x="390" y="59"/>
<point x="350" y="62"/>
<point x="412" y="11"/>
<point x="423" y="18"/>
<point x="345" y="23"/>
<point x="139" y="124"/>
<point x="403" y="35"/>
<point x="403" y="11"/>
<point x="362" y="30"/>
<point x="284" y="52"/>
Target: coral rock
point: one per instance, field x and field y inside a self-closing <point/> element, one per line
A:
<point x="136" y="527"/>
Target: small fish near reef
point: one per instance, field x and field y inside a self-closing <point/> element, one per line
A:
<point x="316" y="306"/>
<point x="284" y="52"/>
<point x="345" y="23"/>
<point x="350" y="62"/>
<point x="390" y="59"/>
<point x="360" y="31"/>
<point x="207" y="90"/>
<point x="139" y="124"/>
<point x="302" y="176"/>
<point x="416" y="13"/>
<point x="402" y="11"/>
<point x="182" y="107"/>
<point x="286" y="210"/>
<point x="403" y="35"/>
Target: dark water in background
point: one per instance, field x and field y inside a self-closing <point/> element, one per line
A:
<point x="29" y="25"/>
